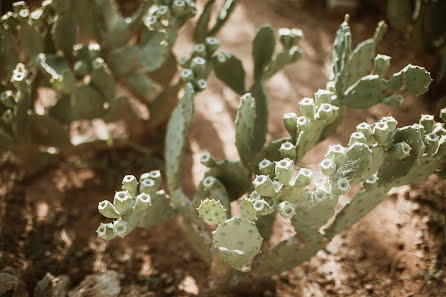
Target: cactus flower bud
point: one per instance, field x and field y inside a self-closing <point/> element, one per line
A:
<point x="200" y="51"/>
<point x="431" y="141"/>
<point x="37" y="17"/>
<point x="254" y="196"/>
<point x="264" y="185"/>
<point x="23" y="15"/>
<point x="303" y="123"/>
<point x="290" y="122"/>
<point x="207" y="160"/>
<point x="7" y="99"/>
<point x="184" y="61"/>
<point x="155" y="175"/>
<point x="365" y="129"/>
<point x="391" y="123"/>
<point x="322" y="96"/>
<point x="142" y="202"/>
<point x="18" y="78"/>
<point x="108" y="210"/>
<point x="187" y="75"/>
<point x="328" y="167"/>
<point x="400" y="150"/>
<point x="212" y="44"/>
<point x="337" y="154"/>
<point x="130" y="184"/>
<point x="284" y="170"/>
<point x="201" y="84"/>
<point x="81" y="68"/>
<point x="428" y="122"/>
<point x="340" y="186"/>
<point x="94" y="50"/>
<point x="209" y="182"/>
<point x="326" y="112"/>
<point x="286" y="209"/>
<point x="198" y="66"/>
<point x="320" y="195"/>
<point x="163" y="12"/>
<point x="122" y="201"/>
<point x="371" y="182"/>
<point x="307" y="108"/>
<point x="285" y="37"/>
<point x="266" y="167"/>
<point x="303" y="178"/>
<point x="120" y="228"/>
<point x="262" y="207"/>
<point x="105" y="231"/>
<point x="98" y="63"/>
<point x="178" y="7"/>
<point x="288" y="150"/>
<point x="297" y="35"/>
<point x="381" y="133"/>
<point x="148" y="186"/>
<point x="357" y="137"/>
<point x="221" y="57"/>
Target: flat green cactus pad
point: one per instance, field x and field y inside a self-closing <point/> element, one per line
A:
<point x="153" y="52"/>
<point x="244" y="128"/>
<point x="229" y="69"/>
<point x="247" y="210"/>
<point x="238" y="241"/>
<point x="159" y="211"/>
<point x="366" y="92"/>
<point x="212" y="211"/>
<point x="263" y="49"/>
<point x="417" y="79"/>
<point x="176" y="137"/>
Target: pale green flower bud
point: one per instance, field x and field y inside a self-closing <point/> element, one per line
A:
<point x="108" y="210"/>
<point x="284" y="171"/>
<point x="142" y="202"/>
<point x="288" y="150"/>
<point x="266" y="167"/>
<point x="286" y="209"/>
<point x="328" y="167"/>
<point x="304" y="177"/>
<point x="122" y="201"/>
<point x="130" y="184"/>
<point x="264" y="185"/>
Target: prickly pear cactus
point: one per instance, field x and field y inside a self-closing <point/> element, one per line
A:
<point x="134" y="52"/>
<point x="268" y="181"/>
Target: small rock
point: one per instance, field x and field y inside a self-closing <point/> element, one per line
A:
<point x="169" y="290"/>
<point x="189" y="285"/>
<point x="98" y="285"/>
<point x="51" y="286"/>
<point x="11" y="285"/>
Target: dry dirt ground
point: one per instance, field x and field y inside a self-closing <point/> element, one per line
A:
<point x="48" y="221"/>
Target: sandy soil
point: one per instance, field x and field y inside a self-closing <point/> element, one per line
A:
<point x="48" y="222"/>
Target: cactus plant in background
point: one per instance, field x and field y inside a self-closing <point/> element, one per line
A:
<point x="268" y="182"/>
<point x="423" y="22"/>
<point x="134" y="52"/>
